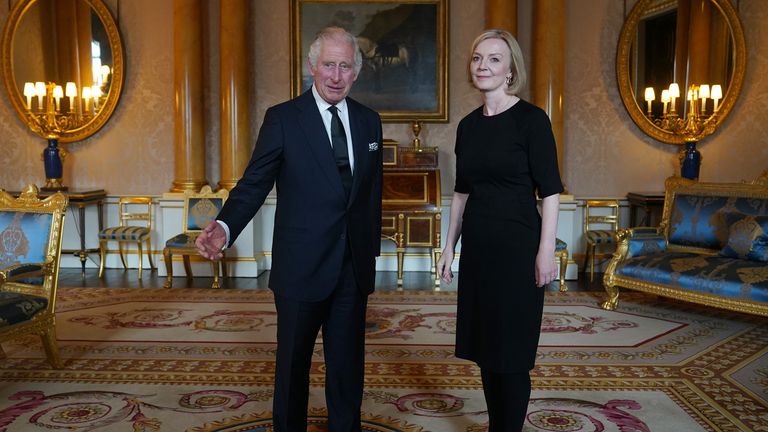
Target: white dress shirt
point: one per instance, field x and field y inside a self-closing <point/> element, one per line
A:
<point x="323" y="106"/>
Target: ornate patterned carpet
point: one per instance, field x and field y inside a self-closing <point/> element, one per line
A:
<point x="202" y="360"/>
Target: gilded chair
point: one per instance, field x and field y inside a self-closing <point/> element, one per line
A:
<point x="135" y="215"/>
<point x="561" y="253"/>
<point x="601" y="221"/>
<point x="30" y="250"/>
<point x="199" y="209"/>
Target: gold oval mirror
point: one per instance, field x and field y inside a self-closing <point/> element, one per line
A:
<point x="696" y="44"/>
<point x="62" y="66"/>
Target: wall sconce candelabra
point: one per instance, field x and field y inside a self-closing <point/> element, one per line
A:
<point x="696" y="123"/>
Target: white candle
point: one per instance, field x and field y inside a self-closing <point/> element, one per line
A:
<point x="665" y="99"/>
<point x="29" y="91"/>
<point x="40" y="92"/>
<point x="96" y="94"/>
<point x="716" y="94"/>
<point x="58" y="93"/>
<point x="87" y="99"/>
<point x="104" y="70"/>
<point x="674" y="93"/>
<point x="650" y="96"/>
<point x="704" y="94"/>
<point x="71" y="91"/>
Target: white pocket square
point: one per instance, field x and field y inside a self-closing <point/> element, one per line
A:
<point x="373" y="146"/>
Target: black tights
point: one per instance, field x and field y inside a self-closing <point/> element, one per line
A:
<point x="506" y="395"/>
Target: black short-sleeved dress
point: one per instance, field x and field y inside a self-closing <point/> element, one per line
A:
<point x="501" y="161"/>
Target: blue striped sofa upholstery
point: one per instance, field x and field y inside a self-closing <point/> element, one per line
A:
<point x="711" y="248"/>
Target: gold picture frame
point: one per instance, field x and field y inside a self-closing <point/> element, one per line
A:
<point x="404" y="45"/>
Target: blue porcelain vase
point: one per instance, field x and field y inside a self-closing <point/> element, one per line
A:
<point x="53" y="167"/>
<point x="691" y="162"/>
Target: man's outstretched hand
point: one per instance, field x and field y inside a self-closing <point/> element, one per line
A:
<point x="210" y="243"/>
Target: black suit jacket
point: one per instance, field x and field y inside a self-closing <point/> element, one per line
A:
<point x="313" y="217"/>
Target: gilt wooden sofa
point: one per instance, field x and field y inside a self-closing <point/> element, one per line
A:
<point x="711" y="248"/>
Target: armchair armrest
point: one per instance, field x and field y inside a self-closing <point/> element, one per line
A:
<point x="21" y="271"/>
<point x="27" y="270"/>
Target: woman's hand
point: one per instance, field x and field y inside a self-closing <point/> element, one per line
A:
<point x="444" y="266"/>
<point x="545" y="268"/>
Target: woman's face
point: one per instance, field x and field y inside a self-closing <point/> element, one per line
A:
<point x="491" y="63"/>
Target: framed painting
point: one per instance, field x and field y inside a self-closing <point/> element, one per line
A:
<point x="403" y="43"/>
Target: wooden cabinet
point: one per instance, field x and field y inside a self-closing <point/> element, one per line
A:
<point x="411" y="213"/>
<point x="649" y="205"/>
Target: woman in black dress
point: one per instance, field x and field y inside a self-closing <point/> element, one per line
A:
<point x="505" y="156"/>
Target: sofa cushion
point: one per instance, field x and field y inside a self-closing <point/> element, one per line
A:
<point x="747" y="236"/>
<point x="697" y="220"/>
<point x="719" y="275"/>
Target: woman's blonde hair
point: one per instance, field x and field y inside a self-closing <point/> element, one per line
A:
<point x="517" y="66"/>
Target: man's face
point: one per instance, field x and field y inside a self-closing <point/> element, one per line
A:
<point x="334" y="72"/>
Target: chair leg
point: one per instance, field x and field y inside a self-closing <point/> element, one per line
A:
<point x="223" y="262"/>
<point x="592" y="263"/>
<point x="102" y="256"/>
<point x="187" y="267"/>
<point x="436" y="253"/>
<point x="167" y="257"/>
<point x="51" y="348"/>
<point x="215" y="284"/>
<point x="149" y="253"/>
<point x="400" y="259"/>
<point x="141" y="257"/>
<point x="563" y="268"/>
<point x="122" y="255"/>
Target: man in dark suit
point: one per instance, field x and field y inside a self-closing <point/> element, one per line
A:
<point x="323" y="151"/>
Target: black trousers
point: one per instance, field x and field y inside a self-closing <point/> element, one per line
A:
<point x="342" y="319"/>
<point x="506" y="395"/>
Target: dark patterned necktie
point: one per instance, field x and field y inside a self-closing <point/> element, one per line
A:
<point x="340" y="152"/>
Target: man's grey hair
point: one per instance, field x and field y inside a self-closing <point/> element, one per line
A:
<point x="337" y="34"/>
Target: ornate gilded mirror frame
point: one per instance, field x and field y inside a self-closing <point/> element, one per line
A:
<point x="624" y="72"/>
<point x="77" y="131"/>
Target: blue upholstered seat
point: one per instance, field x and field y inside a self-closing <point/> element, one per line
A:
<point x="600" y="236"/>
<point x="18" y="307"/>
<point x="131" y="210"/>
<point x="127" y="233"/>
<point x="183" y="240"/>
